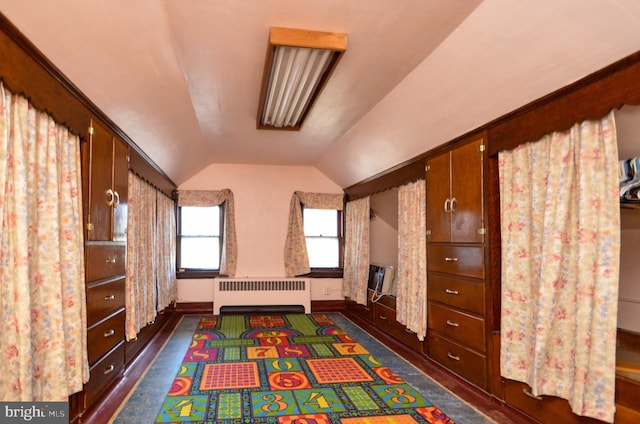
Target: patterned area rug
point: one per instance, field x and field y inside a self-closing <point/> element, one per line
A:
<point x="298" y="369"/>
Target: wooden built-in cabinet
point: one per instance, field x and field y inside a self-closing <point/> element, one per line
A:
<point x="105" y="173"/>
<point x="456" y="272"/>
<point x="455" y="196"/>
<point x="107" y="182"/>
<point x="464" y="246"/>
<point x="105" y="166"/>
<point x="382" y="314"/>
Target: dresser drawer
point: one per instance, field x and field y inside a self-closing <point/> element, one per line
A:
<point x="102" y="337"/>
<point x="458" y="260"/>
<point x="460" y="326"/>
<point x="385" y="319"/>
<point x="365" y="311"/>
<point x="466" y="363"/>
<point x="546" y="409"/>
<point x="463" y="294"/>
<point x="105" y="260"/>
<point x="103" y="299"/>
<point x="105" y="372"/>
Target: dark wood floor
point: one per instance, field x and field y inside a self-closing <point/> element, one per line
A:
<point x="104" y="409"/>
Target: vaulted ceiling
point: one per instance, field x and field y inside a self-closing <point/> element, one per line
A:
<point x="182" y="77"/>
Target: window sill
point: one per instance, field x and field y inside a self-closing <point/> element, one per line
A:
<point x="325" y="273"/>
<point x="196" y="274"/>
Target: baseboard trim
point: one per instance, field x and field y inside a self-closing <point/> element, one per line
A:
<point x="207" y="307"/>
<point x="327" y="305"/>
<point x="194" y="307"/>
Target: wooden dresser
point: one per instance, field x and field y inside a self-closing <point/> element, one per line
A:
<point x="456" y="271"/>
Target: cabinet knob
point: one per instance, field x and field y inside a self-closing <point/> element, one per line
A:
<point x="110" y="297"/>
<point x="452" y="324"/>
<point x="109" y="370"/>
<point x="110" y="260"/>
<point x="454" y="202"/>
<point x="447" y="205"/>
<point x="451" y="259"/>
<point x="449" y="291"/>
<point x="382" y="317"/>
<point x="109" y="333"/>
<point x="110" y="197"/>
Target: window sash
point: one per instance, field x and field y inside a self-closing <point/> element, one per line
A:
<point x="315" y="238"/>
<point x="199" y="264"/>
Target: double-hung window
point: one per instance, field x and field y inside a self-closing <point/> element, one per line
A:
<point x="323" y="234"/>
<point x="200" y="240"/>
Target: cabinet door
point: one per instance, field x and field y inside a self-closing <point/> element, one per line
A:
<point x="438" y="193"/>
<point x="100" y="183"/>
<point x="120" y="188"/>
<point x="466" y="193"/>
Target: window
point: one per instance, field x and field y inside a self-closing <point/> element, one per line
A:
<point x="322" y="231"/>
<point x="199" y="240"/>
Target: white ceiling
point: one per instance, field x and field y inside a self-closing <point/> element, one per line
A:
<point x="182" y="77"/>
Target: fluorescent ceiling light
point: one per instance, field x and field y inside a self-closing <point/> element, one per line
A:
<point x="298" y="65"/>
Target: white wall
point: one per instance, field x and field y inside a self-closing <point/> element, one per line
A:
<point x="262" y="194"/>
<point x="628" y="133"/>
<point x="629" y="294"/>
<point x="383" y="247"/>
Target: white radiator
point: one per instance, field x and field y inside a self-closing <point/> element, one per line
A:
<point x="261" y="292"/>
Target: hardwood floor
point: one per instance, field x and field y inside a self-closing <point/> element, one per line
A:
<point x="104" y="409"/>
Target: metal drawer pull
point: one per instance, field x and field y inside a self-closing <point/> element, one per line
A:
<point x="451" y="259"/>
<point x="452" y="356"/>
<point x="382" y="317"/>
<point x="109" y="370"/>
<point x="449" y="291"/>
<point x="454" y="202"/>
<point x="109" y="333"/>
<point x="531" y="395"/>
<point x="447" y="205"/>
<point x="110" y="297"/>
<point x="110" y="260"/>
<point x="452" y="324"/>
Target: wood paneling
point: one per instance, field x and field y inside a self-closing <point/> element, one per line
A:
<point x="590" y="98"/>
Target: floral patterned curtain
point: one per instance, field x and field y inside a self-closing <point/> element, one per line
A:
<point x="296" y="258"/>
<point x="202" y="198"/>
<point x="166" y="248"/>
<point x="411" y="301"/>
<point x="560" y="229"/>
<point x="43" y="342"/>
<point x="356" y="250"/>
<point x="141" y="293"/>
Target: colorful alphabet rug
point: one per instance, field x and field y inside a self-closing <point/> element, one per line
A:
<point x="287" y="369"/>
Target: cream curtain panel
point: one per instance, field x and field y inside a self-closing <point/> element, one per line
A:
<point x="296" y="258"/>
<point x="560" y="227"/>
<point x="166" y="248"/>
<point x="43" y="342"/>
<point x="203" y="198"/>
<point x="356" y="250"/>
<point x="151" y="245"/>
<point x="141" y="292"/>
<point x="411" y="292"/>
